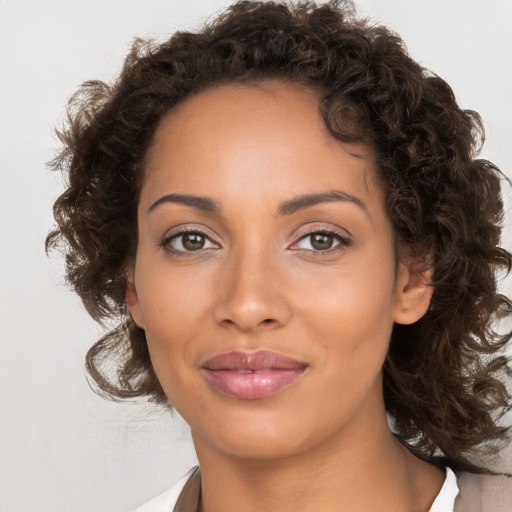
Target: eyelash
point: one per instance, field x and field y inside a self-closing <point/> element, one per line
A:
<point x="165" y="244"/>
<point x="344" y="242"/>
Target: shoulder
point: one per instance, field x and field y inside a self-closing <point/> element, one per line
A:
<point x="484" y="493"/>
<point x="166" y="501"/>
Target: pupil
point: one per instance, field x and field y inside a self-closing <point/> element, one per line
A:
<point x="321" y="242"/>
<point x="193" y="241"/>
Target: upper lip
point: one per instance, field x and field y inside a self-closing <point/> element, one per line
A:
<point x="261" y="360"/>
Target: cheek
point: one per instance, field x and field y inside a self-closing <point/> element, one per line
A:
<point x="172" y="298"/>
<point x="351" y="311"/>
<point x="174" y="307"/>
<point x="356" y="295"/>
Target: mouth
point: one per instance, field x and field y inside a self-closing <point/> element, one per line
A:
<point x="252" y="375"/>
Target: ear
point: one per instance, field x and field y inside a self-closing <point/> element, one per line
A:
<point x="413" y="290"/>
<point x="132" y="299"/>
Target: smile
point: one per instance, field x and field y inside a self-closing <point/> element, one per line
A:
<point x="251" y="376"/>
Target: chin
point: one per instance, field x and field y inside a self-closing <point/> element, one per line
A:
<point x="259" y="446"/>
<point x="268" y="438"/>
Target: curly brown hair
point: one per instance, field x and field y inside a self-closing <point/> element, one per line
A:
<point x="444" y="377"/>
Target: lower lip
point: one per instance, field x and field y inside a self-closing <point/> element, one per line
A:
<point x="254" y="385"/>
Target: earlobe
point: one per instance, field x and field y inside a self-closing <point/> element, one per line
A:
<point x="132" y="301"/>
<point x="413" y="292"/>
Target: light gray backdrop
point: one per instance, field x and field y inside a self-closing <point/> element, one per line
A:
<point x="61" y="447"/>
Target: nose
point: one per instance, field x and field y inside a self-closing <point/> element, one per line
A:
<point x="251" y="296"/>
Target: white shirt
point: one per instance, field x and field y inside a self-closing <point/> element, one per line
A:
<point x="445" y="500"/>
<point x="165" y="502"/>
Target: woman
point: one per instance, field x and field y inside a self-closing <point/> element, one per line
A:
<point x="286" y="216"/>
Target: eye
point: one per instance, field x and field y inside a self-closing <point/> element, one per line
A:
<point x="321" y="241"/>
<point x="187" y="241"/>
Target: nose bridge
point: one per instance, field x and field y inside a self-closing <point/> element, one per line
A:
<point x="248" y="294"/>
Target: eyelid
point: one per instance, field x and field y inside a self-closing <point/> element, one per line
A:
<point x="183" y="230"/>
<point x="344" y="240"/>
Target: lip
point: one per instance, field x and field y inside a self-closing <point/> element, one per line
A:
<point x="252" y="375"/>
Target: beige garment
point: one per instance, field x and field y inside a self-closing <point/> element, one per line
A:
<point x="190" y="496"/>
<point x="484" y="493"/>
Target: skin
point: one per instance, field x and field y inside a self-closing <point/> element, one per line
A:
<point x="259" y="281"/>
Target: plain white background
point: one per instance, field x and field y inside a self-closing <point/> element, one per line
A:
<point x="62" y="448"/>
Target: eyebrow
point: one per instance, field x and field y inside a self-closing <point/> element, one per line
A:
<point x="308" y="200"/>
<point x="287" y="208"/>
<point x="202" y="203"/>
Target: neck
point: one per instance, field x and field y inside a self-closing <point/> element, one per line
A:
<point x="354" y="469"/>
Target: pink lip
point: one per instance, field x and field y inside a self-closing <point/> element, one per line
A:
<point x="252" y="375"/>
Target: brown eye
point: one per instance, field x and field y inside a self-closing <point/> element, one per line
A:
<point x="321" y="241"/>
<point x="193" y="241"/>
<point x="188" y="241"/>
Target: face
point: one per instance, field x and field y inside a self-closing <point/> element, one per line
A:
<point x="258" y="231"/>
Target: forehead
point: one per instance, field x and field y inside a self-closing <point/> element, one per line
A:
<point x="267" y="137"/>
